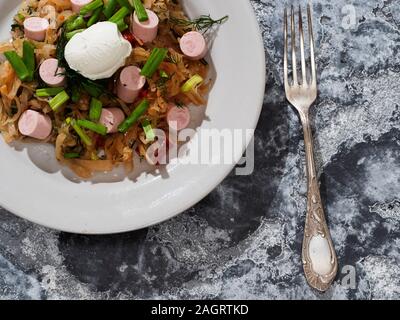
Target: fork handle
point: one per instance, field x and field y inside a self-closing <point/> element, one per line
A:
<point x="318" y="253"/>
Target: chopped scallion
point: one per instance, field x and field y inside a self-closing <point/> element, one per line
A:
<point x="21" y="17"/>
<point x="29" y="58"/>
<point x="95" y="109"/>
<point x="148" y="130"/>
<point x="68" y="23"/>
<point x="18" y="65"/>
<point x="84" y="137"/>
<point x="69" y="35"/>
<point x="91" y="6"/>
<point x="157" y="56"/>
<point x="192" y="83"/>
<point x="122" y="26"/>
<point x="140" y="109"/>
<point x="58" y="101"/>
<point x="140" y="10"/>
<point x="95" y="127"/>
<point x="95" y="16"/>
<point x="48" y="92"/>
<point x="119" y="15"/>
<point x="109" y="8"/>
<point x="76" y="23"/>
<point x="125" y="4"/>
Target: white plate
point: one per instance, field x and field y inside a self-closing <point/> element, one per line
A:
<point x="35" y="187"/>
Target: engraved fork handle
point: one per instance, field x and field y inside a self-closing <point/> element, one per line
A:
<point x="318" y="253"/>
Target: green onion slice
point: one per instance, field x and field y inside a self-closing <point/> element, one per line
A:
<point x="58" y="100"/>
<point x="29" y="58"/>
<point x="192" y="83"/>
<point x="91" y="6"/>
<point x="119" y="15"/>
<point x="69" y="35"/>
<point x="148" y="130"/>
<point x="48" y="92"/>
<point x="140" y="109"/>
<point x="125" y="4"/>
<point x="95" y="109"/>
<point x="21" y="17"/>
<point x="157" y="56"/>
<point x="68" y="23"/>
<point x="140" y="10"/>
<point x="84" y="137"/>
<point x="76" y="23"/>
<point x="109" y="8"/>
<point x="18" y="65"/>
<point x="95" y="127"/>
<point x="122" y="26"/>
<point x="95" y="16"/>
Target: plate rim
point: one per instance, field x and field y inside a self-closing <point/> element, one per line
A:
<point x="207" y="189"/>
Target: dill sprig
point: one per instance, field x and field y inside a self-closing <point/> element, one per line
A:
<point x="203" y="23"/>
<point x="60" y="50"/>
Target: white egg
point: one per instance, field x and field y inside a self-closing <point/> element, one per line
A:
<point x="98" y="52"/>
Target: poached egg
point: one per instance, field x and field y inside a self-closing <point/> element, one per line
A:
<point x="98" y="52"/>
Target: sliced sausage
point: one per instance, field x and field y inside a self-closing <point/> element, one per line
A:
<point x="51" y="74"/>
<point x="130" y="83"/>
<point x="146" y="30"/>
<point x="35" y="28"/>
<point x="34" y="124"/>
<point x="77" y="5"/>
<point x="178" y="118"/>
<point x="111" y="118"/>
<point x="193" y="45"/>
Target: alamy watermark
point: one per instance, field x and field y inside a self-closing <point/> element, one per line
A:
<point x="349" y="279"/>
<point x="203" y="147"/>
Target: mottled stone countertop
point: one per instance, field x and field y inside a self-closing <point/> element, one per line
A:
<point x="244" y="239"/>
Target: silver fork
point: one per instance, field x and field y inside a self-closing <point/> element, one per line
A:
<point x="318" y="253"/>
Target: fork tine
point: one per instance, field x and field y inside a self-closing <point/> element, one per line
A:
<point x="285" y="54"/>
<point x="303" y="60"/>
<point x="293" y="36"/>
<point x="311" y="35"/>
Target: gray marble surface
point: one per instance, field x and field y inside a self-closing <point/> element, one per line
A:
<point x="244" y="239"/>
